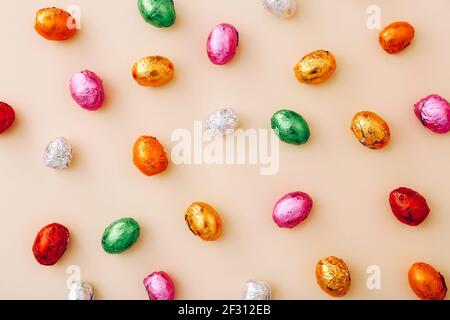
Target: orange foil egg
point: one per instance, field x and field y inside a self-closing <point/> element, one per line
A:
<point x="55" y="24"/>
<point x="426" y="282"/>
<point x="149" y="156"/>
<point x="396" y="37"/>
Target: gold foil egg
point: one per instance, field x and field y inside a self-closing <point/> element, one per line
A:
<point x="204" y="221"/>
<point x="370" y="129"/>
<point x="153" y="71"/>
<point x="315" y="67"/>
<point x="333" y="276"/>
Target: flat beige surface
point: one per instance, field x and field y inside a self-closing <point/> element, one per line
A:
<point x="349" y="183"/>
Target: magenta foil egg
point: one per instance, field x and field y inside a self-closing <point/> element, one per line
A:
<point x="87" y="90"/>
<point x="222" y="43"/>
<point x="292" y="209"/>
<point x="434" y="112"/>
<point x="159" y="286"/>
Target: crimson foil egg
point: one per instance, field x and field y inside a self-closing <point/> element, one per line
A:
<point x="408" y="206"/>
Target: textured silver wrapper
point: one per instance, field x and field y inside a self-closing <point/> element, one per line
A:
<point x="58" y="154"/>
<point x="80" y="291"/>
<point x="282" y="8"/>
<point x="256" y="290"/>
<point x="222" y="121"/>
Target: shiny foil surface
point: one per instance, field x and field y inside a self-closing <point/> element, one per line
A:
<point x="316" y="67"/>
<point x="370" y="130"/>
<point x="256" y="290"/>
<point x="290" y="127"/>
<point x="222" y="43"/>
<point x="80" y="291"/>
<point x="282" y="8"/>
<point x="292" y="209"/>
<point x="159" y="13"/>
<point x="7" y="116"/>
<point x="55" y="24"/>
<point x="50" y="244"/>
<point x="203" y="221"/>
<point x="222" y="121"/>
<point x="120" y="235"/>
<point x="434" y="113"/>
<point x="149" y="156"/>
<point x="426" y="282"/>
<point x="153" y="71"/>
<point x="396" y="36"/>
<point x="408" y="206"/>
<point x="87" y="90"/>
<point x="58" y="154"/>
<point x="333" y="276"/>
<point x="159" y="286"/>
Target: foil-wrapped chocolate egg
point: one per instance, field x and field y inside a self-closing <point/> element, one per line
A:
<point x="87" y="90"/>
<point x="149" y="156"/>
<point x="333" y="276"/>
<point x="158" y="13"/>
<point x="434" y="113"/>
<point x="153" y="71"/>
<point x="204" y="221"/>
<point x="292" y="209"/>
<point x="50" y="244"/>
<point x="282" y="8"/>
<point x="58" y="154"/>
<point x="159" y="286"/>
<point x="315" y="67"/>
<point x="80" y="291"/>
<point x="426" y="282"/>
<point x="55" y="24"/>
<point x="290" y="127"/>
<point x="7" y="116"/>
<point x="120" y="235"/>
<point x="256" y="290"/>
<point x="222" y="121"/>
<point x="408" y="206"/>
<point x="222" y="43"/>
<point x="370" y="129"/>
<point x="396" y="36"/>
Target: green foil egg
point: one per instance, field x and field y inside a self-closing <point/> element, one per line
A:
<point x="290" y="127"/>
<point x="120" y="235"/>
<point x="159" y="13"/>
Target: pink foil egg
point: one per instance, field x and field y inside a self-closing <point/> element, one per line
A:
<point x="292" y="209"/>
<point x="434" y="112"/>
<point x="159" y="286"/>
<point x="87" y="90"/>
<point x="222" y="43"/>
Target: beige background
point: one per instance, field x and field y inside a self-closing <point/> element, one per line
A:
<point x="349" y="183"/>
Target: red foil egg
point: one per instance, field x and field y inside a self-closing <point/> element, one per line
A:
<point x="7" y="116"/>
<point x="50" y="244"/>
<point x="408" y="206"/>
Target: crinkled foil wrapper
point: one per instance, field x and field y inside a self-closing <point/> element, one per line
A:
<point x="80" y="291"/>
<point x="58" y="154"/>
<point x="256" y="290"/>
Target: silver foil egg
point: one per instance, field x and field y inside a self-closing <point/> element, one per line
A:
<point x="282" y="8"/>
<point x="222" y="121"/>
<point x="256" y="290"/>
<point x="58" y="154"/>
<point x="80" y="291"/>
